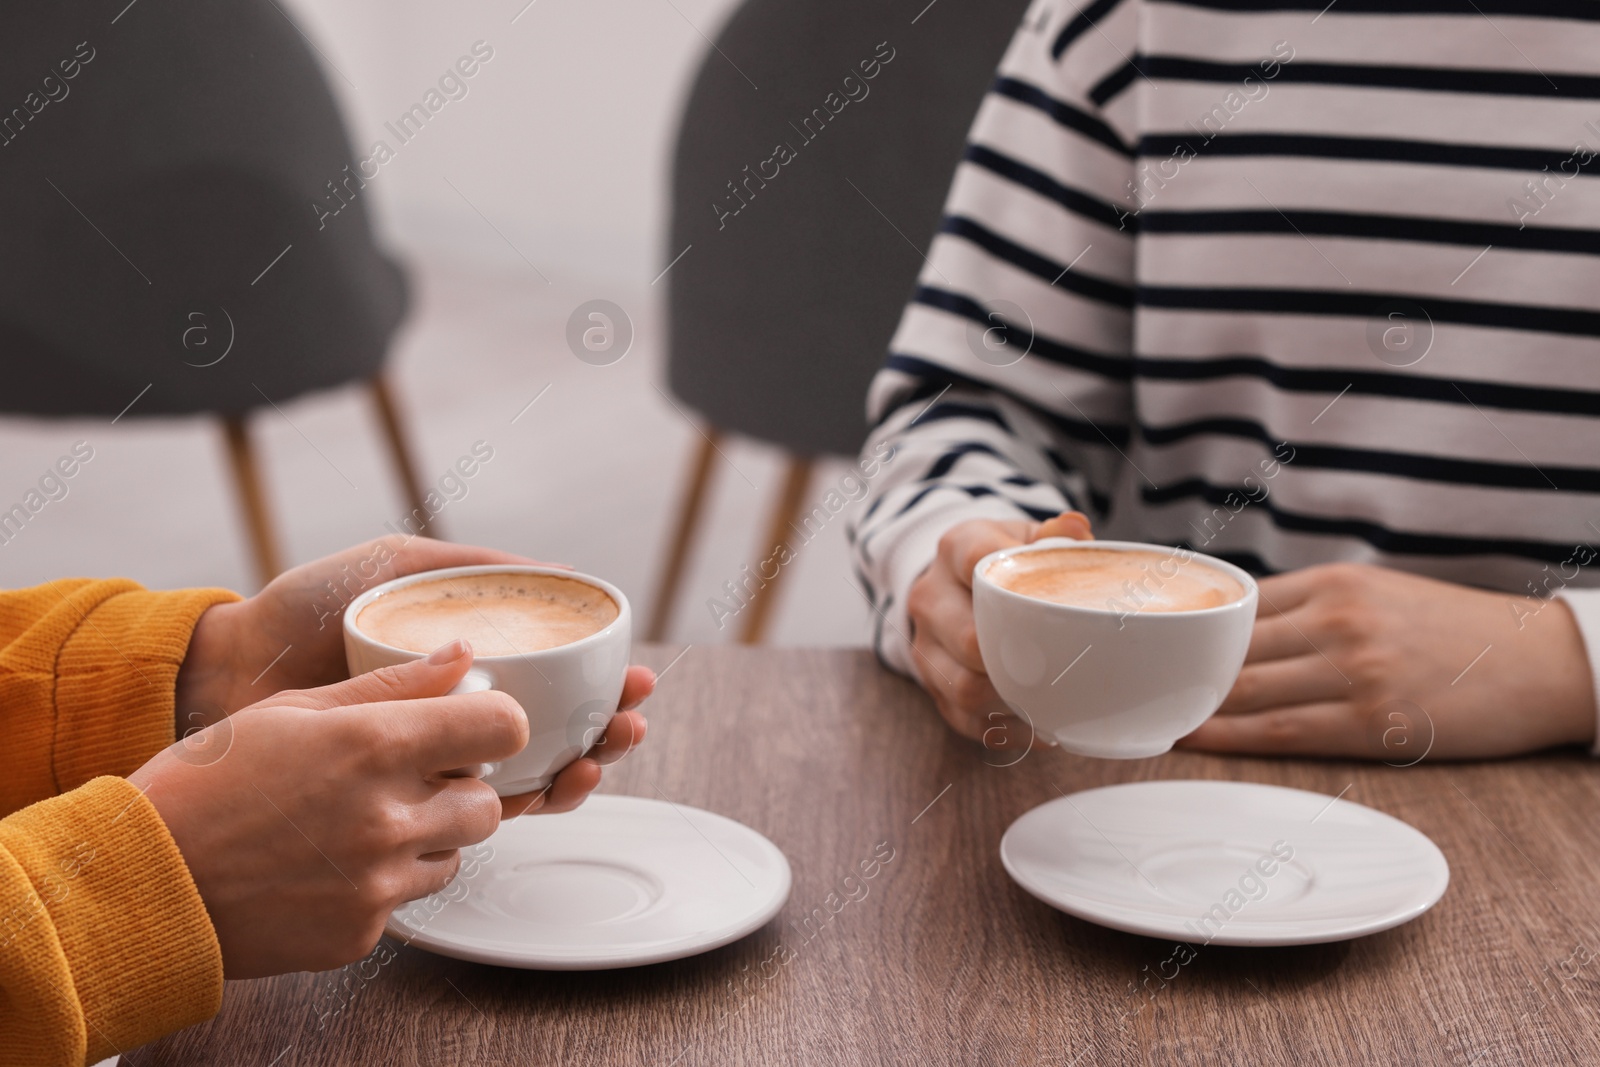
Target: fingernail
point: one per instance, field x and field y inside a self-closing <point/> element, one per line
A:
<point x="449" y="653"/>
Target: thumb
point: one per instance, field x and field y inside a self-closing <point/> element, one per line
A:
<point x="1073" y="524"/>
<point x="432" y="676"/>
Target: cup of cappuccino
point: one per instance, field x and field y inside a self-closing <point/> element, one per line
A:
<point x="1111" y="648"/>
<point x="556" y="641"/>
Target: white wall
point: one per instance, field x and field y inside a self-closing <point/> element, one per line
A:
<point x="562" y="142"/>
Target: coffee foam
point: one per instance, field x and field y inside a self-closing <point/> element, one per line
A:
<point x="1120" y="580"/>
<point x="498" y="614"/>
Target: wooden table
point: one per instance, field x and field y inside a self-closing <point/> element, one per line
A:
<point x="944" y="960"/>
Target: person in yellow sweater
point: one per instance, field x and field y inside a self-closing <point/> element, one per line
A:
<point x="194" y="790"/>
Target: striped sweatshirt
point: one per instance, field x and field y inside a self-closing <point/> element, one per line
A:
<point x="1282" y="281"/>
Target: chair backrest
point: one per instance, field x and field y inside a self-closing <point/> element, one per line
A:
<point x="814" y="156"/>
<point x="154" y="168"/>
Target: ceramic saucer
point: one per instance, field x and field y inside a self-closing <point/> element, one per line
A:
<point x="622" y="881"/>
<point x="1227" y="863"/>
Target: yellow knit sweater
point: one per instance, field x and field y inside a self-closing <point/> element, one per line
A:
<point x="104" y="941"/>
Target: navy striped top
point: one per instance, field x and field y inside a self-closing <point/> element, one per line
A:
<point x="1284" y="281"/>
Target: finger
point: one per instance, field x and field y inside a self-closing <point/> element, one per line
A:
<point x="462" y="812"/>
<point x="429" y="874"/>
<point x="965" y="544"/>
<point x="944" y="617"/>
<point x="1073" y="524"/>
<point x="965" y="698"/>
<point x="1284" y="592"/>
<point x="1284" y="683"/>
<point x="425" y="554"/>
<point x="1277" y="636"/>
<point x="444" y="733"/>
<point x="397" y="556"/>
<point x="572" y="786"/>
<point x="433" y="676"/>
<point x="636" y="689"/>
<point x="623" y="733"/>
<point x="523" y="804"/>
<point x="1309" y="730"/>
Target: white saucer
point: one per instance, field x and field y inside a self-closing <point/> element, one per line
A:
<point x="1157" y="858"/>
<point x="622" y="881"/>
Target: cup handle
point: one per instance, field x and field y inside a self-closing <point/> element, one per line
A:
<point x="475" y="681"/>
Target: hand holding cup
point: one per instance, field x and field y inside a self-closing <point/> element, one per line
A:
<point x="944" y="639"/>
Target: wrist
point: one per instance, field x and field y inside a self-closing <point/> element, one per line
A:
<point x="203" y="694"/>
<point x="1569" y="673"/>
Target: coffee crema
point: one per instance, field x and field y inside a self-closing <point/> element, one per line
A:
<point x="498" y="614"/>
<point x="1114" y="579"/>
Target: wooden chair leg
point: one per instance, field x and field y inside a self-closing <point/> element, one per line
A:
<point x="779" y="531"/>
<point x="688" y="521"/>
<point x="398" y="440"/>
<point x="252" y="497"/>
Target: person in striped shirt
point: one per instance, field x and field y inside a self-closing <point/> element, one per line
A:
<point x="1309" y="287"/>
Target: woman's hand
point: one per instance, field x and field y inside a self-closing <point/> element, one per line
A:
<point x="945" y="639"/>
<point x="1341" y="651"/>
<point x="289" y="635"/>
<point x="579" y="778"/>
<point x="307" y="818"/>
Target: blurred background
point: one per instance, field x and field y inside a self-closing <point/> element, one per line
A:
<point x="546" y="186"/>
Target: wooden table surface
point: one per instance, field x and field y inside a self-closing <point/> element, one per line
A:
<point x="945" y="960"/>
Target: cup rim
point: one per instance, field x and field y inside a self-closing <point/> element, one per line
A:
<point x="1239" y="574"/>
<point x="356" y="606"/>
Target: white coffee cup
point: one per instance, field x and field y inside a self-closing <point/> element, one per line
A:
<point x="1116" y="683"/>
<point x="569" y="692"/>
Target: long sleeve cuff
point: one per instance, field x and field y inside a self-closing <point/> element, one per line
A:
<point x="106" y="943"/>
<point x="87" y="679"/>
<point x="1585" y="607"/>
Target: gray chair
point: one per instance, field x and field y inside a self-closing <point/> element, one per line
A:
<point x="172" y="246"/>
<point x="784" y="304"/>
